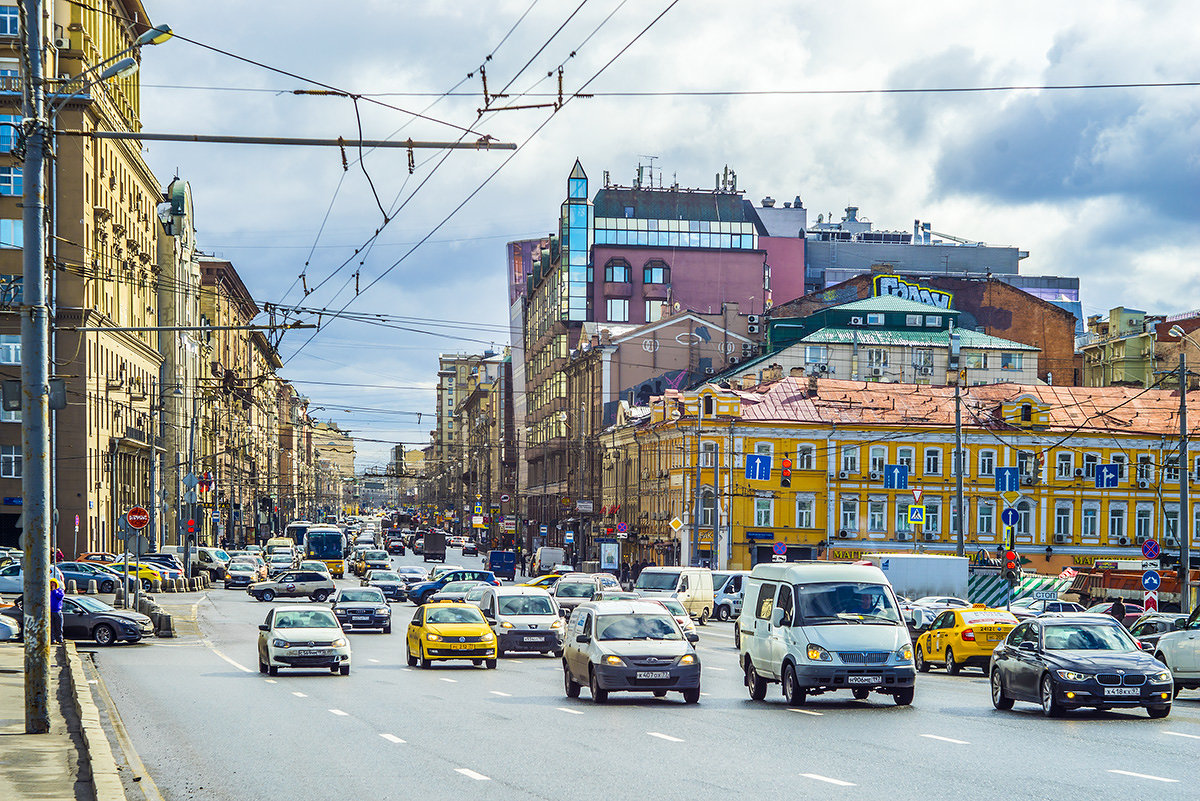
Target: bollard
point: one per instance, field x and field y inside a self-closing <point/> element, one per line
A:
<point x="72" y="587"/>
<point x="119" y="598"/>
<point x="166" y="627"/>
<point x="156" y="585"/>
<point x="92" y="587"/>
<point x="207" y="580"/>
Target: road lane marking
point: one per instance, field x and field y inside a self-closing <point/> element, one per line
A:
<point x="805" y="711"/>
<point x="666" y="737"/>
<point x="706" y="695"/>
<point x="452" y="681"/>
<point x="568" y="711"/>
<point x="502" y="695"/>
<point x="299" y="695"/>
<point x="270" y="681"/>
<point x="376" y="661"/>
<point x="391" y="738"/>
<point x="242" y="668"/>
<point x="1144" y="776"/>
<point x="470" y="774"/>
<point x="710" y="667"/>
<point x="946" y="739"/>
<point x="1181" y="734"/>
<point x="818" y="777"/>
<point x="340" y="712"/>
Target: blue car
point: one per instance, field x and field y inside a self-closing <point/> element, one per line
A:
<point x="421" y="593"/>
<point x="84" y="572"/>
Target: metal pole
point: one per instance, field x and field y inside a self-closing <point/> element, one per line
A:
<point x="960" y="546"/>
<point x="696" y="503"/>
<point x="35" y="383"/>
<point x="1184" y="527"/>
<point x="187" y="543"/>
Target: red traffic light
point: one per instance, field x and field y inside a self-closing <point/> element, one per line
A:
<point x="786" y="466"/>
<point x="191" y="527"/>
<point x="1010" y="560"/>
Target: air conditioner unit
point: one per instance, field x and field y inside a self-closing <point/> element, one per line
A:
<point x="876" y="371"/>
<point x="924" y="371"/>
<point x="734" y="360"/>
<point x="62" y="42"/>
<point x="844" y="474"/>
<point x="1060" y="539"/>
<point x="1123" y="540"/>
<point x="1140" y="538"/>
<point x="747" y="347"/>
<point x="856" y="321"/>
<point x="901" y="536"/>
<point x="709" y="371"/>
<point x="1171" y="541"/>
<point x="876" y="475"/>
<point x="752" y="319"/>
<point x="1143" y="484"/>
<point x="1027" y="480"/>
<point x="752" y="329"/>
<point x="931" y="536"/>
<point x="1078" y="472"/>
<point x="822" y="368"/>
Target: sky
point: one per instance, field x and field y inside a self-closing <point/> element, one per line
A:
<point x="1103" y="184"/>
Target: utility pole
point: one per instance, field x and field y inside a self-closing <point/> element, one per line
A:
<point x="35" y="385"/>
<point x="956" y="365"/>
<point x="1185" y="527"/>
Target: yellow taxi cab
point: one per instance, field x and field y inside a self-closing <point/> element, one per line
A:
<point x="450" y="630"/>
<point x="146" y="574"/>
<point x="962" y="637"/>
<point x="546" y="582"/>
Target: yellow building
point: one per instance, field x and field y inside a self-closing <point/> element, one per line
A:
<point x="840" y="437"/>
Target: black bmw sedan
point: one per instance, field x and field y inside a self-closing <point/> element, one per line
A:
<point x="1069" y="660"/>
<point x="362" y="608"/>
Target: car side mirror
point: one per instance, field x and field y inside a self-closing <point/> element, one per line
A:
<point x="693" y="637"/>
<point x="582" y="638"/>
<point x="776" y="616"/>
<point x="263" y="627"/>
<point x="1027" y="646"/>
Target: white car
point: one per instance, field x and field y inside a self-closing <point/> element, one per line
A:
<point x="1180" y="651"/>
<point x="302" y="637"/>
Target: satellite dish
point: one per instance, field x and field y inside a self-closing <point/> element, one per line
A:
<point x="675" y="415"/>
<point x="677" y="306"/>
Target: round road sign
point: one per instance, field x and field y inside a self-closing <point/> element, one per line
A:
<point x="138" y="517"/>
<point x="779" y="549"/>
<point x="1009" y="517"/>
<point x="1151" y="581"/>
<point x="505" y="499"/>
<point x="1150" y="549"/>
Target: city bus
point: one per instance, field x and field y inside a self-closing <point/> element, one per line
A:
<point x="295" y="532"/>
<point x="328" y="544"/>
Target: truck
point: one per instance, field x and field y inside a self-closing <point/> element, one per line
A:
<point x="434" y="549"/>
<point x="503" y="564"/>
<point x="917" y="576"/>
<point x="545" y="558"/>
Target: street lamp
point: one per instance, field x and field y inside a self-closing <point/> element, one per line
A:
<point x="1184" y="526"/>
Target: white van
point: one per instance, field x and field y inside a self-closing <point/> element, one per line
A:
<point x="817" y="627"/>
<point x="209" y="560"/>
<point x="727" y="593"/>
<point x="691" y="586"/>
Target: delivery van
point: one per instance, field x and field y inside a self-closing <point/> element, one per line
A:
<point x="691" y="586"/>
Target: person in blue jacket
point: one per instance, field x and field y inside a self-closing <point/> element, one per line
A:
<point x="56" y="611"/>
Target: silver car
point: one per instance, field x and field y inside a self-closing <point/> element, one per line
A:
<point x="525" y="619"/>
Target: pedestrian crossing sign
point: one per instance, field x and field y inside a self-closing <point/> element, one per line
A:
<point x="916" y="514"/>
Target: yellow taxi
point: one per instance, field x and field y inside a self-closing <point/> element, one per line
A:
<point x="962" y="637"/>
<point x="546" y="582"/>
<point x="146" y="574"/>
<point x="450" y="630"/>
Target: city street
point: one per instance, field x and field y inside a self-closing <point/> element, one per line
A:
<point x="206" y="724"/>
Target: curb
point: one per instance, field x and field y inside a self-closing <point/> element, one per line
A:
<point x="106" y="781"/>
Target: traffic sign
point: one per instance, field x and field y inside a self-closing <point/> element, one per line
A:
<point x="216" y="515"/>
<point x="1150" y="549"/>
<point x="138" y="518"/>
<point x="543" y="529"/>
<point x="895" y="476"/>
<point x="505" y="499"/>
<point x="916" y="514"/>
<point x="676" y="524"/>
<point x="1011" y="498"/>
<point x="190" y="481"/>
<point x="1107" y="476"/>
<point x="568" y="537"/>
<point x="1008" y="479"/>
<point x="916" y="492"/>
<point x="758" y="467"/>
<point x="779" y="549"/>
<point x="1045" y="595"/>
<point x="1009" y="516"/>
<point x="1150" y="600"/>
<point x="622" y="528"/>
<point x="1151" y="581"/>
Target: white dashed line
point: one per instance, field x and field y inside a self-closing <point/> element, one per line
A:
<point x="376" y="661"/>
<point x="340" y="712"/>
<point x="299" y="695"/>
<point x="470" y="774"/>
<point x="818" y="777"/>
<point x="706" y="695"/>
<point x="242" y="668"/>
<point x="710" y="667"/>
<point x="568" y="711"/>
<point x="805" y="711"/>
<point x="391" y="738"/>
<point x="452" y="681"/>
<point x="92" y="681"/>
<point x="666" y="737"/>
<point x="270" y="681"/>
<point x="1144" y="776"/>
<point x="502" y="695"/>
<point x="945" y="739"/>
<point x="1181" y="734"/>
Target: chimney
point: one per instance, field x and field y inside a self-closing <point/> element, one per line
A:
<point x="768" y="202"/>
<point x="796" y="372"/>
<point x="813" y="383"/>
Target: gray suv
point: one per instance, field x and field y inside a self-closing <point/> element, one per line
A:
<point x="573" y="589"/>
<point x="629" y="646"/>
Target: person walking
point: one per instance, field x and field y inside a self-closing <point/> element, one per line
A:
<point x="1117" y="610"/>
<point x="56" y="611"/>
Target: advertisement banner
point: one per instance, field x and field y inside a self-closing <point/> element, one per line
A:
<point x="610" y="555"/>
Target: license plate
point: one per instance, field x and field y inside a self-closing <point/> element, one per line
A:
<point x="864" y="679"/>
<point x="653" y="674"/>
<point x="311" y="653"/>
<point x="1131" y="691"/>
<point x="993" y="639"/>
<point x="461" y="646"/>
<point x="361" y="618"/>
<point x="534" y="639"/>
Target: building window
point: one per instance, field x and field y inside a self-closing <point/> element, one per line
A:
<point x="617" y="272"/>
<point x="656" y="272"/>
<point x="1089" y="525"/>
<point x="902" y="516"/>
<point x="933" y="515"/>
<point x="10" y="348"/>
<point x="933" y="320"/>
<point x="958" y="458"/>
<point x="1062" y="521"/>
<point x="987" y="463"/>
<point x="1170" y="522"/>
<point x="764" y="512"/>
<point x="805" y="513"/>
<point x="10" y="21"/>
<point x="1026" y="412"/>
<point x="908" y="458"/>
<point x="653" y="311"/>
<point x="12" y="234"/>
<point x="876" y="515"/>
<point x="618" y="310"/>
<point x="849" y="458"/>
<point x="1142" y="524"/>
<point x="1090" y="460"/>
<point x="1145" y="468"/>
<point x="1171" y="469"/>
<point x="11" y="461"/>
<point x="878" y="458"/>
<point x="708" y="454"/>
<point x="708" y="505"/>
<point x="816" y="354"/>
<point x="1119" y="460"/>
<point x="849" y="516"/>
<point x="10" y="417"/>
<point x="1116" y="524"/>
<point x="1064" y="464"/>
<point x="806" y="457"/>
<point x="986" y="518"/>
<point x="1025" y="518"/>
<point x="933" y="461"/>
<point x="11" y="182"/>
<point x="975" y="360"/>
<point x="877" y="357"/>
<point x="912" y="320"/>
<point x="923" y="359"/>
<point x="8" y="133"/>
<point x="1010" y="361"/>
<point x="874" y="319"/>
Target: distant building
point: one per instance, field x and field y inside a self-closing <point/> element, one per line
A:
<point x="1133" y="348"/>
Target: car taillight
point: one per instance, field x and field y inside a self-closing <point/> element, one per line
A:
<point x="969" y="635"/>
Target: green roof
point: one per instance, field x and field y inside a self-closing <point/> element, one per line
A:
<point x="868" y="336"/>
<point x="888" y="303"/>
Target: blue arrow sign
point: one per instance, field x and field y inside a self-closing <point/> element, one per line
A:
<point x="1151" y="580"/>
<point x="1107" y="476"/>
<point x="895" y="476"/>
<point x="758" y="467"/>
<point x="1009" y="516"/>
<point x="1008" y="479"/>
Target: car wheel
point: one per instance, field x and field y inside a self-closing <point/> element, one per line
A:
<point x="412" y="660"/>
<point x="320" y="595"/>
<point x="999" y="699"/>
<point x="737" y="634"/>
<point x="755" y="683"/>
<point x="904" y="697"/>
<point x="273" y="670"/>
<point x="345" y="670"/>
<point x="922" y="665"/>
<point x="104" y="634"/>
<point x="571" y="686"/>
<point x="660" y="693"/>
<point x="1158" y="711"/>
<point x="691" y="696"/>
<point x="704" y="616"/>
<point x="490" y="664"/>
<point x="557" y="654"/>
<point x="262" y="666"/>
<point x="599" y="695"/>
<point x="108" y="586"/>
<point x="861" y="693"/>
<point x="145" y="585"/>
<point x="1051" y="708"/>
<point x="267" y="595"/>
<point x="952" y="667"/>
<point x="791" y="687"/>
<point x="387" y="629"/>
<point x="421" y="656"/>
<point x="722" y="613"/>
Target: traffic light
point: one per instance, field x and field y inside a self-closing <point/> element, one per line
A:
<point x="785" y="472"/>
<point x="1011" y="569"/>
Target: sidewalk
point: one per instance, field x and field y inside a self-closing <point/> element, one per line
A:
<point x="57" y="765"/>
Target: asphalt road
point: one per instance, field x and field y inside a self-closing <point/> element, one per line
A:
<point x="207" y="725"/>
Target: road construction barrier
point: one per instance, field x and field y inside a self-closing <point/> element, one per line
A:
<point x="156" y="585"/>
<point x="92" y="587"/>
<point x="165" y="626"/>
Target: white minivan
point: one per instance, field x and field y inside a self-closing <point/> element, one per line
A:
<point x="691" y="586"/>
<point x="818" y="627"/>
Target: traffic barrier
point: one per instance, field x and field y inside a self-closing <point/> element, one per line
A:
<point x="93" y="588"/>
<point x="72" y="587"/>
<point x="119" y="598"/>
<point x="195" y="584"/>
<point x="165" y="626"/>
<point x="156" y="585"/>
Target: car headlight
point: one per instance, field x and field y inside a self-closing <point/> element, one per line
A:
<point x="383" y="610"/>
<point x="340" y="642"/>
<point x="504" y="624"/>
<point x="687" y="659"/>
<point x="488" y="637"/>
<point x="558" y="624"/>
<point x="904" y="653"/>
<point x="1071" y="675"/>
<point x="818" y="654"/>
<point x="432" y="637"/>
<point x="278" y="643"/>
<point x="1162" y="675"/>
<point x="614" y="660"/>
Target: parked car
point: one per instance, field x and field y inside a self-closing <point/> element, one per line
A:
<point x="1026" y="608"/>
<point x="294" y="584"/>
<point x="1179" y="650"/>
<point x="86" y="617"/>
<point x="450" y="630"/>
<point x="82" y="573"/>
<point x="96" y="556"/>
<point x="962" y="637"/>
<point x="1151" y="626"/>
<point x="302" y="637"/>
<point x="13" y="580"/>
<point x="1132" y="611"/>
<point x="362" y="607"/>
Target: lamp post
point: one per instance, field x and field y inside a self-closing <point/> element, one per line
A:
<point x="1185" y="521"/>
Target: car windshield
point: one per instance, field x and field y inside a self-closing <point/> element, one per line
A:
<point x="454" y="614"/>
<point x="240" y="567"/>
<point x="636" y="627"/>
<point x="1086" y="637"/>
<point x="91" y="604"/>
<point x="836" y="602"/>
<point x="675" y="608"/>
<point x="224" y="557"/>
<point x="305" y="619"/>
<point x="517" y="605"/>
<point x="413" y="571"/>
<point x="574" y="589"/>
<point x="384" y="575"/>
<point x="361" y="596"/>
<point x="459" y="586"/>
<point x="653" y="580"/>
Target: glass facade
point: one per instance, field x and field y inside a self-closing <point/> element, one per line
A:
<point x="675" y="233"/>
<point x="576" y="230"/>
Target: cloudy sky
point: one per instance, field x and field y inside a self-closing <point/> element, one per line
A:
<point x="1103" y="183"/>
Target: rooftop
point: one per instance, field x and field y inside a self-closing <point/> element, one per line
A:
<point x="915" y="338"/>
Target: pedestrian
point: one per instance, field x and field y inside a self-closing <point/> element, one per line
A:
<point x="624" y="574"/>
<point x="56" y="613"/>
<point x="1117" y="610"/>
<point x="58" y="555"/>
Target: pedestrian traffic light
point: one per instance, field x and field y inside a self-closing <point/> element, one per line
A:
<point x="785" y="472"/>
<point x="1011" y="569"/>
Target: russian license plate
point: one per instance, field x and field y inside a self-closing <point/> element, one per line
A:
<point x="1128" y="691"/>
<point x="864" y="679"/>
<point x="361" y="618"/>
<point x="534" y="639"/>
<point x="461" y="646"/>
<point x="312" y="653"/>
<point x="653" y="674"/>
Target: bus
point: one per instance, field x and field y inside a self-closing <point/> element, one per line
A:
<point x="295" y="531"/>
<point x="328" y="544"/>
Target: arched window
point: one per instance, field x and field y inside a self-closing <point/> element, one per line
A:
<point x="708" y="406"/>
<point x="617" y="271"/>
<point x="656" y="271"/>
<point x="708" y="506"/>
